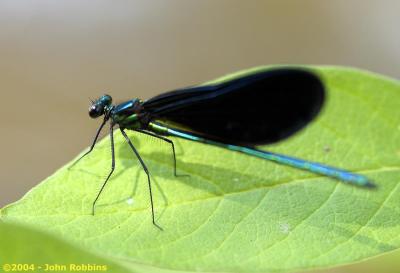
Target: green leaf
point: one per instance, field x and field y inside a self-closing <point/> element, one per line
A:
<point x="237" y="213"/>
<point x="37" y="251"/>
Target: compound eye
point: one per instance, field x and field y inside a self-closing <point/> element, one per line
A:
<point x="95" y="111"/>
<point x="106" y="99"/>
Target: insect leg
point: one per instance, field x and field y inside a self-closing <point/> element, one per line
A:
<point x="112" y="166"/>
<point x="93" y="143"/>
<point x="147" y="173"/>
<point x="172" y="145"/>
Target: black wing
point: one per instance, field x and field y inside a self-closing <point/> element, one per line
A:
<point x="260" y="108"/>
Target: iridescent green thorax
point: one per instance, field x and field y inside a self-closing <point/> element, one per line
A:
<point x="128" y="114"/>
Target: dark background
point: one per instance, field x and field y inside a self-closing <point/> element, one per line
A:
<point x="55" y="55"/>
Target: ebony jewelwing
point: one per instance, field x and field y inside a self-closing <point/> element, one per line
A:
<point x="237" y="114"/>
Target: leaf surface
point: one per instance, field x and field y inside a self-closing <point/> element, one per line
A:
<point x="23" y="249"/>
<point x="237" y="213"/>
